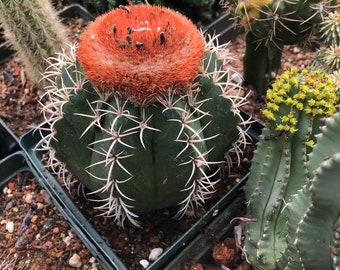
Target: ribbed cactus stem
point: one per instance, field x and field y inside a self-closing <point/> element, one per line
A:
<point x="34" y="31"/>
<point x="316" y="207"/>
<point x="273" y="24"/>
<point x="146" y="136"/>
<point x="296" y="106"/>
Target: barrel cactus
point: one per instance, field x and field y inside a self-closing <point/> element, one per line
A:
<point x="271" y="24"/>
<point x="290" y="188"/>
<point x="142" y="113"/>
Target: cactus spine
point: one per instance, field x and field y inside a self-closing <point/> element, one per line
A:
<point x="144" y="119"/>
<point x="287" y="162"/>
<point x="327" y="57"/>
<point x="271" y="24"/>
<point x="34" y="31"/>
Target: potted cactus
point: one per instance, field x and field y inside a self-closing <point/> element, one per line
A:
<point x="143" y="89"/>
<point x="293" y="189"/>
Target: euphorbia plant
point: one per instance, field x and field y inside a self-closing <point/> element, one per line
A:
<point x="143" y="114"/>
<point x="293" y="188"/>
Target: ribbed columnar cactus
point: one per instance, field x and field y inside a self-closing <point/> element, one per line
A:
<point x="271" y="24"/>
<point x="287" y="160"/>
<point x="34" y="31"/>
<point x="144" y="113"/>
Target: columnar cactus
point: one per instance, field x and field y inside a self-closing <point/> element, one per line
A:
<point x="286" y="191"/>
<point x="144" y="113"/>
<point x="34" y="31"/>
<point x="271" y="24"/>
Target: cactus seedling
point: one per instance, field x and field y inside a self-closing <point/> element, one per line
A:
<point x="142" y="116"/>
<point x="285" y="162"/>
<point x="271" y="24"/>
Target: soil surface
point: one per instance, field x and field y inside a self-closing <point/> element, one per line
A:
<point x="33" y="235"/>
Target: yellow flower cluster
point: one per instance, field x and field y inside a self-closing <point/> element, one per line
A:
<point x="310" y="92"/>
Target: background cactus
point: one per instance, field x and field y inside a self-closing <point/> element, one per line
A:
<point x="34" y="31"/>
<point x="270" y="25"/>
<point x="145" y="118"/>
<point x="327" y="57"/>
<point x="194" y="9"/>
<point x="287" y="186"/>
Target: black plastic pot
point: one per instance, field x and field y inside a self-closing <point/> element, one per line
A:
<point x="191" y="246"/>
<point x="9" y="143"/>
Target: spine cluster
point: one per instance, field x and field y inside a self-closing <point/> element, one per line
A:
<point x="34" y="31"/>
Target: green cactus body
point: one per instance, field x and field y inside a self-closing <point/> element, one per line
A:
<point x="34" y="31"/>
<point x="314" y="211"/>
<point x="142" y="157"/>
<point x="296" y="105"/>
<point x="270" y="25"/>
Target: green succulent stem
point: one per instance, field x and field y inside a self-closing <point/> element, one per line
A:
<point x="285" y="191"/>
<point x="261" y="64"/>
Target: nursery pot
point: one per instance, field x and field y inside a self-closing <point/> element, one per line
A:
<point x="194" y="243"/>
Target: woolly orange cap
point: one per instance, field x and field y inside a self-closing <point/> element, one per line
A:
<point x="141" y="51"/>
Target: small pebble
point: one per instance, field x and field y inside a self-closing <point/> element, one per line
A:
<point x="237" y="78"/>
<point x="75" y="261"/>
<point x="45" y="196"/>
<point x="28" y="198"/>
<point x="296" y="50"/>
<point x="22" y="242"/>
<point x="144" y="263"/>
<point x="10" y="226"/>
<point x="9" y="205"/>
<point x="55" y="230"/>
<point x="40" y="206"/>
<point x="154" y="254"/>
<point x="34" y="219"/>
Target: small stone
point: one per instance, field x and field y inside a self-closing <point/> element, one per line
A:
<point x="296" y="50"/>
<point x="237" y="78"/>
<point x="28" y="198"/>
<point x="67" y="240"/>
<point x="48" y="224"/>
<point x="144" y="263"/>
<point x="49" y="261"/>
<point x="11" y="186"/>
<point x="92" y="260"/>
<point x="154" y="254"/>
<point x="197" y="266"/>
<point x="34" y="219"/>
<point x="45" y="196"/>
<point x="22" y="242"/>
<point x="40" y="206"/>
<point x="9" y="205"/>
<point x="10" y="226"/>
<point x="75" y="261"/>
